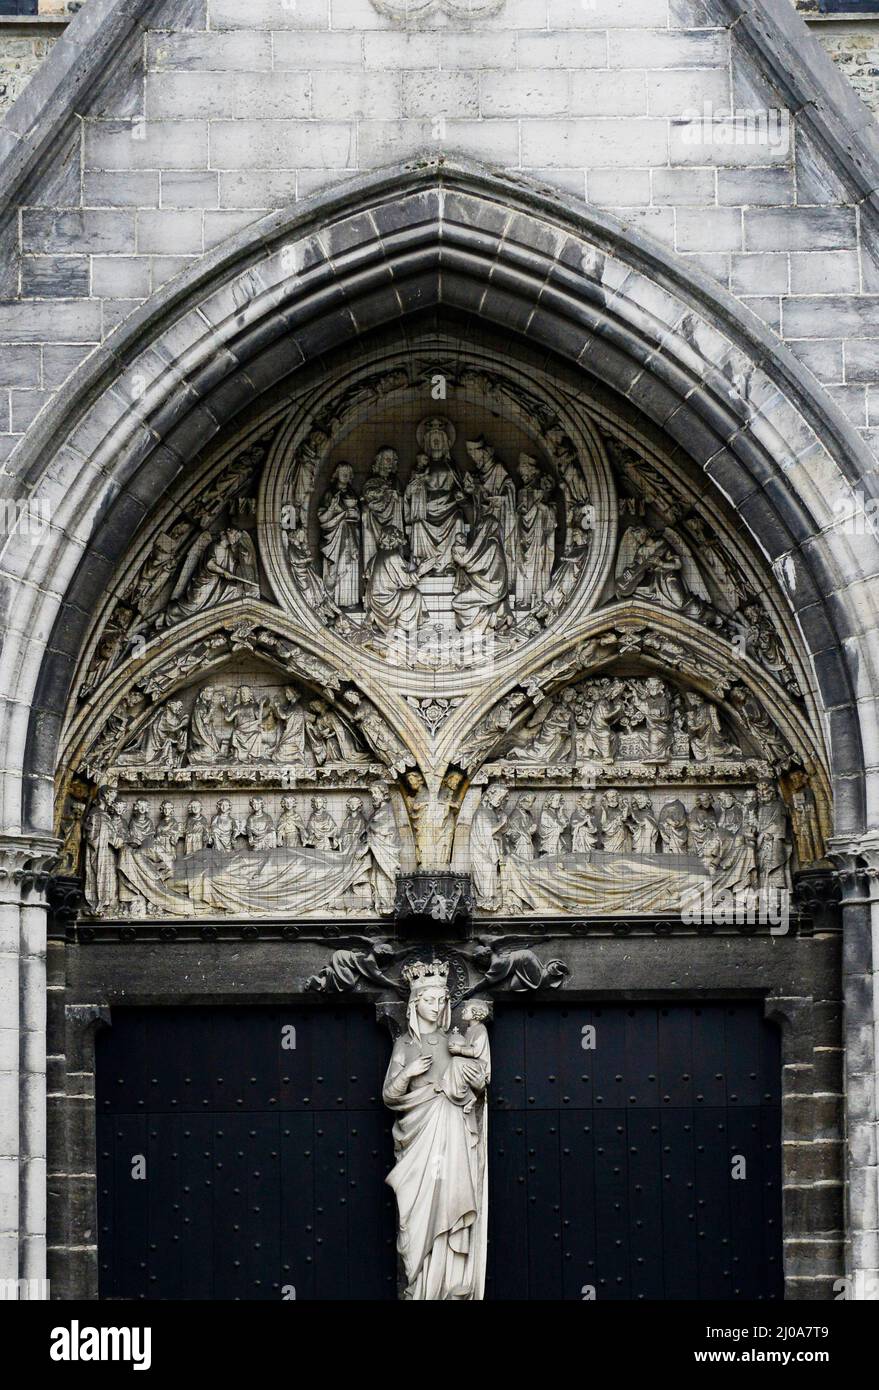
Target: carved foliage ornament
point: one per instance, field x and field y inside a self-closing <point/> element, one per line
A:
<point x="411" y="10"/>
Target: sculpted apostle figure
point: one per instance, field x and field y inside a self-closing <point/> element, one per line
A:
<point x="195" y="829"/>
<point x="645" y="830"/>
<point x="487" y="830"/>
<point x="224" y="829"/>
<point x="494" y="496"/>
<point x="105" y="834"/>
<point x="522" y="827"/>
<point x="772" y="841"/>
<point x="481" y="602"/>
<point x="615" y="823"/>
<point x="585" y="827"/>
<point x="537" y="528"/>
<point x="339" y="520"/>
<point x="440" y="1172"/>
<point x="290" y="830"/>
<point x="260" y="826"/>
<point x="382" y="503"/>
<point x="674" y="827"/>
<point x="321" y="832"/>
<point x="393" y="600"/>
<point x="383" y="843"/>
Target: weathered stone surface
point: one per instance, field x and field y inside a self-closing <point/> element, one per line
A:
<point x="269" y="104"/>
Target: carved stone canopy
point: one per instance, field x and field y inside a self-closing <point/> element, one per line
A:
<point x="434" y="900"/>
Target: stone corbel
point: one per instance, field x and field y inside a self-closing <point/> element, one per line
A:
<point x="856" y="867"/>
<point x="26" y="862"/>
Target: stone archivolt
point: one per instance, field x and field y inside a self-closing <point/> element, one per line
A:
<point x="299" y="687"/>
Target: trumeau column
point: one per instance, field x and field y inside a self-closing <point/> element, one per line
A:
<point x="857" y="865"/>
<point x="24" y="864"/>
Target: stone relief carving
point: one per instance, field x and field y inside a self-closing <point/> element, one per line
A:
<point x="242" y="725"/>
<point x="451" y="548"/>
<point x="516" y="968"/>
<point x="626" y="852"/>
<point x="349" y="967"/>
<point x="683" y="565"/>
<point x="612" y="721"/>
<point x="474" y="513"/>
<point x="437" y="536"/>
<point x="199" y="560"/>
<point x="436" y="1087"/>
<point x="434" y="710"/>
<point x="409" y="11"/>
<point x="241" y="856"/>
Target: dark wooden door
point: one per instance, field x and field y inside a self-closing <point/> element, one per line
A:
<point x="240" y="1160"/>
<point x="234" y="1165"/>
<point x="639" y="1162"/>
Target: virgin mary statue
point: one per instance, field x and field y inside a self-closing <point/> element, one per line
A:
<point x="436" y="1086"/>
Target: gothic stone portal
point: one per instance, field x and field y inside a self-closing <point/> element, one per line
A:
<point x="439" y="611"/>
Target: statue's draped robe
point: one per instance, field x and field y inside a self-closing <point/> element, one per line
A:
<point x="482" y="586"/>
<point x="433" y="514"/>
<point x="440" y="1175"/>
<point x="383" y="843"/>
<point x="393" y="600"/>
<point x="382" y="507"/>
<point x="485" y="851"/>
<point x="340" y="546"/>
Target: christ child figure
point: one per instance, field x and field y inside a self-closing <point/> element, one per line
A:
<point x="474" y="1044"/>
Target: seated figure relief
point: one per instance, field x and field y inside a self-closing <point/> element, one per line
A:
<point x="242" y="725"/>
<point x="444" y="535"/>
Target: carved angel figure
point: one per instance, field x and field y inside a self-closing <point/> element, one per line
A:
<point x="518" y="970"/>
<point x="221" y="570"/>
<point x="650" y="567"/>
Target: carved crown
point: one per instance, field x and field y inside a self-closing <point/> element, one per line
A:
<point x="423" y="974"/>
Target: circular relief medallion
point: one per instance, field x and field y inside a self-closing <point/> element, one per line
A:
<point x="438" y="520"/>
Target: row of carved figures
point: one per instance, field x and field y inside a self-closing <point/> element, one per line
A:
<point x="629" y="824"/>
<point x="741" y="841"/>
<point x="156" y="843"/>
<point x="243" y="726"/>
<point x="498" y="539"/>
<point x="612" y="719"/>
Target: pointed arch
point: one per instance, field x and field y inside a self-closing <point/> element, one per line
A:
<point x="576" y="283"/>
